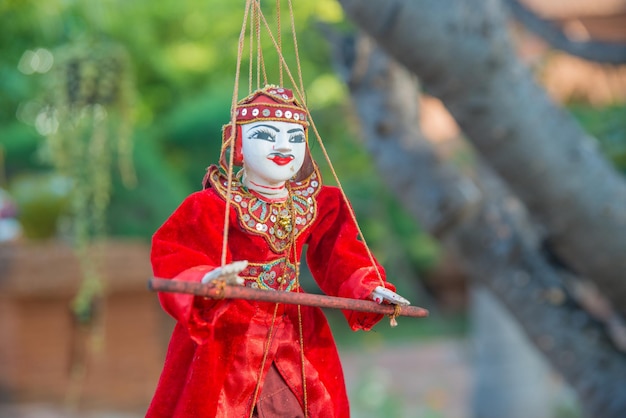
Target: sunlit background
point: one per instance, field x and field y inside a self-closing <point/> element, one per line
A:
<point x="124" y="101"/>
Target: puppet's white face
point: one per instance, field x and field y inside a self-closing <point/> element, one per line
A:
<point x="273" y="152"/>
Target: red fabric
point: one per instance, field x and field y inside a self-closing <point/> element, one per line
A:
<point x="216" y="350"/>
<point x="277" y="400"/>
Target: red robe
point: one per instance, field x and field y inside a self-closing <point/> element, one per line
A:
<point x="217" y="349"/>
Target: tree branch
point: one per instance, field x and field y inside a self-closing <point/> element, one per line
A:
<point x="463" y="54"/>
<point x="495" y="240"/>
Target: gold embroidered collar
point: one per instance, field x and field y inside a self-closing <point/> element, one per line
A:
<point x="276" y="221"/>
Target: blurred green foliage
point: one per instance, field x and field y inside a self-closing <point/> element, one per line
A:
<point x="608" y="126"/>
<point x="184" y="58"/>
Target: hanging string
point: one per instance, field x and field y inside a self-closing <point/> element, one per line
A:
<point x="345" y="198"/>
<point x="251" y="58"/>
<point x="292" y="246"/>
<point x="280" y="43"/>
<point x="257" y="28"/>
<point x="299" y="94"/>
<point x="231" y="140"/>
<point x="302" y="362"/>
<point x="260" y="60"/>
<point x="270" y="335"/>
<point x="300" y="328"/>
<point x="295" y="45"/>
<point x="263" y="69"/>
<point x="296" y="261"/>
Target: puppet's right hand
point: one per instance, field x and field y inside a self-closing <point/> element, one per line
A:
<point x="381" y="294"/>
<point x="228" y="273"/>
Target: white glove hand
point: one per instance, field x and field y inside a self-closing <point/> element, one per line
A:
<point x="381" y="294"/>
<point x="228" y="273"/>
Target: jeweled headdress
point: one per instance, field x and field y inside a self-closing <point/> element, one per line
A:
<point x="271" y="103"/>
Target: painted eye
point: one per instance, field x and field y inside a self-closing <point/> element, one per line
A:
<point x="297" y="138"/>
<point x="264" y="135"/>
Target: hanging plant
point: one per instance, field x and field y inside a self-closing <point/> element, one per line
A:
<point x="90" y="121"/>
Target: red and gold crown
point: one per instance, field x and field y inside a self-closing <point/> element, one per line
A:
<point x="271" y="103"/>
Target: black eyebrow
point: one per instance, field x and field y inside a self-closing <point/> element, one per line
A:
<point x="267" y="126"/>
<point x="295" y="130"/>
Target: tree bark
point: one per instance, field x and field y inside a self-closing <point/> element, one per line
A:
<point x="463" y="54"/>
<point x="511" y="378"/>
<point x="487" y="227"/>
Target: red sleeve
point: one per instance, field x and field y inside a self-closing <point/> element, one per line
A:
<point x="186" y="247"/>
<point x="339" y="261"/>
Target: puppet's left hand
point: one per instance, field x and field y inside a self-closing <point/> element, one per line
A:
<point x="228" y="273"/>
<point x="381" y="294"/>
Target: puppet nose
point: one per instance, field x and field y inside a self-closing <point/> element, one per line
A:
<point x="283" y="144"/>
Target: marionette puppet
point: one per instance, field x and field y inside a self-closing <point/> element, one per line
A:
<point x="248" y="340"/>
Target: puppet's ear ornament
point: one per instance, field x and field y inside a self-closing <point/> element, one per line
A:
<point x="227" y="139"/>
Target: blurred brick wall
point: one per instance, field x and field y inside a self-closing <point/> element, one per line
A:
<point x="37" y="336"/>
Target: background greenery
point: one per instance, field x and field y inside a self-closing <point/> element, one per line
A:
<point x="184" y="56"/>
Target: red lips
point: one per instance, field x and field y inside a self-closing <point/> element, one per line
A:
<point x="281" y="159"/>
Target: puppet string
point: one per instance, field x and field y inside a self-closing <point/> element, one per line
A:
<point x="295" y="46"/>
<point x="230" y="140"/>
<point x="279" y="36"/>
<point x="298" y="289"/>
<point x="302" y="363"/>
<point x="251" y="58"/>
<point x="394" y="315"/>
<point x="263" y="361"/>
<point x="220" y="285"/>
<point x="300" y="95"/>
